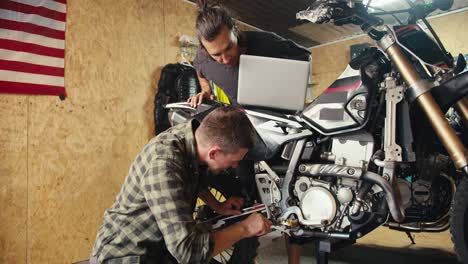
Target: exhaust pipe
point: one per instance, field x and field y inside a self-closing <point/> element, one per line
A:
<point x="397" y="214"/>
<point x="339" y="171"/>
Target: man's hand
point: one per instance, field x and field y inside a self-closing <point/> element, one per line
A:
<point x="205" y="93"/>
<point x="231" y="206"/>
<point x="197" y="99"/>
<point x="256" y="225"/>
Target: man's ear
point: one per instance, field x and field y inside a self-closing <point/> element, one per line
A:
<point x="213" y="151"/>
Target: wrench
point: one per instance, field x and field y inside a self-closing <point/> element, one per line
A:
<point x="245" y="211"/>
<point x="282" y="229"/>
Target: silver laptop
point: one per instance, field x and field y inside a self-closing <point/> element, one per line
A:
<point x="272" y="82"/>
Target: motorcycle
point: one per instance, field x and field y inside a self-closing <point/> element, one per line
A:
<point x="384" y="145"/>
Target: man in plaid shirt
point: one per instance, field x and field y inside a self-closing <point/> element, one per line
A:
<point x="152" y="221"/>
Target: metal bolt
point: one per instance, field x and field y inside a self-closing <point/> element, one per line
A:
<point x="351" y="171"/>
<point x="302" y="168"/>
<point x="386" y="177"/>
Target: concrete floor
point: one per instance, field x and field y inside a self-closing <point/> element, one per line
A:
<point x="382" y="246"/>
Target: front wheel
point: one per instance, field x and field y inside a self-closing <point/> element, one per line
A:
<point x="458" y="221"/>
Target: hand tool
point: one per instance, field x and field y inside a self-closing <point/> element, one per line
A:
<point x="245" y="211"/>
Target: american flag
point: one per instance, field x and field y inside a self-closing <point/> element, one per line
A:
<point x="32" y="46"/>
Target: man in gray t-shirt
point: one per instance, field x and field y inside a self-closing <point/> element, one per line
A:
<point x="217" y="58"/>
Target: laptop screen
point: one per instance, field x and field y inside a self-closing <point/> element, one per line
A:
<point x="272" y="82"/>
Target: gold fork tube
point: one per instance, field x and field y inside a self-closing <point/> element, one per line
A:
<point x="444" y="131"/>
<point x="404" y="66"/>
<point x="462" y="109"/>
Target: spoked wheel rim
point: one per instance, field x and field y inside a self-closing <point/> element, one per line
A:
<point x="224" y="256"/>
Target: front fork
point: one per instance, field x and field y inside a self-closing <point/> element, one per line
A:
<point x="419" y="89"/>
<point x="462" y="108"/>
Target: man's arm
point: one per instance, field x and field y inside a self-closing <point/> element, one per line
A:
<point x="204" y="83"/>
<point x="205" y="91"/>
<point x="231" y="206"/>
<point x="187" y="242"/>
<point x="165" y="191"/>
<point x="255" y="225"/>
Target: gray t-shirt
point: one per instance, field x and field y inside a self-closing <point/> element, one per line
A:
<point x="266" y="44"/>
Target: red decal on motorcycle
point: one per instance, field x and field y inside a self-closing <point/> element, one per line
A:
<point x="343" y="88"/>
<point x="399" y="29"/>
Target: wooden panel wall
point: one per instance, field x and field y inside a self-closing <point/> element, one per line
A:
<point x="452" y="32"/>
<point x="329" y="61"/>
<point x="63" y="162"/>
<point x="179" y="19"/>
<point x="79" y="150"/>
<point x="13" y="178"/>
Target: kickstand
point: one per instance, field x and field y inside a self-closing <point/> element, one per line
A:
<point x="411" y="237"/>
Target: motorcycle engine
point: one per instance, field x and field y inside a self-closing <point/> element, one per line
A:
<point x="317" y="202"/>
<point x="321" y="202"/>
<point x="351" y="150"/>
<point x="324" y="204"/>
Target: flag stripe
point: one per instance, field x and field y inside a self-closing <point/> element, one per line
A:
<point x="32" y="38"/>
<point x="60" y="1"/>
<point x="32" y="28"/>
<point x="31" y="58"/>
<point x="31" y="68"/>
<point x="27" y="88"/>
<point x="37" y="10"/>
<point x="34" y="19"/>
<point x="59" y="7"/>
<point x="31" y="48"/>
<point x="31" y="78"/>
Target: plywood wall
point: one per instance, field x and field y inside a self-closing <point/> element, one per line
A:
<point x="80" y="149"/>
<point x="179" y="19"/>
<point x="63" y="162"/>
<point x="329" y="61"/>
<point x="13" y="178"/>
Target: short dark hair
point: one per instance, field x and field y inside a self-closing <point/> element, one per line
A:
<point x="229" y="127"/>
<point x="210" y="20"/>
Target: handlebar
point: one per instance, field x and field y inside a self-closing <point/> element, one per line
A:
<point x="342" y="12"/>
<point x="323" y="11"/>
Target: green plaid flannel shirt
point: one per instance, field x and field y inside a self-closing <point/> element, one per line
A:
<point x="155" y="205"/>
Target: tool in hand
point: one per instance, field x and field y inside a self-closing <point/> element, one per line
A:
<point x="282" y="229"/>
<point x="245" y="211"/>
